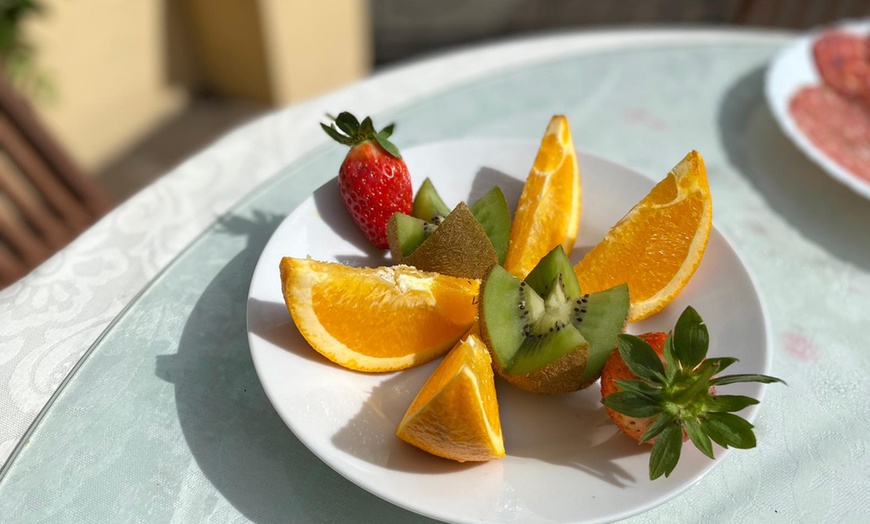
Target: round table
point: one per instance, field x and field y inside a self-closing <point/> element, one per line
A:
<point x="127" y="391"/>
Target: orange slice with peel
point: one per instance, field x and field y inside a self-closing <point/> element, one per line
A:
<point x="548" y="212"/>
<point x="377" y="319"/>
<point x="455" y="414"/>
<point x="657" y="246"/>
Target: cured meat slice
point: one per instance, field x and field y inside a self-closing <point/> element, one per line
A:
<point x="843" y="61"/>
<point x="837" y="125"/>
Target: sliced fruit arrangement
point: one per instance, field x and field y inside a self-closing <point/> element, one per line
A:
<point x="377" y="319"/>
<point x="373" y="179"/>
<point x="536" y="321"/>
<point x="458" y="246"/>
<point x="455" y="414"/>
<point x="657" y="246"/>
<point x="548" y="212"/>
<point x="544" y="334"/>
<point x="661" y="388"/>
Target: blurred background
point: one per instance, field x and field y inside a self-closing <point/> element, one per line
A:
<point x="101" y="97"/>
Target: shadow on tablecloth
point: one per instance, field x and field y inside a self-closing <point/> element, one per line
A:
<point x="820" y="208"/>
<point x="238" y="440"/>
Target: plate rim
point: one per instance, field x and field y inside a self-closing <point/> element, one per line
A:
<point x="778" y="105"/>
<point x="750" y="413"/>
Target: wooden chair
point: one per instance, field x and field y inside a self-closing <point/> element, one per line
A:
<point x="45" y="200"/>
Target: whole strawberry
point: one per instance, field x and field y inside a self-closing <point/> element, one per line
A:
<point x="373" y="179"/>
<point x="660" y="388"/>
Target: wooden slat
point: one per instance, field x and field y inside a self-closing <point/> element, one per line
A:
<point x="40" y="222"/>
<point x="32" y="131"/>
<point x="58" y="197"/>
<point x="11" y="267"/>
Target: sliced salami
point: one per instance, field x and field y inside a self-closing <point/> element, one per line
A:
<point x="838" y="125"/>
<point x="843" y="61"/>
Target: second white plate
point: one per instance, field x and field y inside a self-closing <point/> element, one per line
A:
<point x="566" y="461"/>
<point x="793" y="68"/>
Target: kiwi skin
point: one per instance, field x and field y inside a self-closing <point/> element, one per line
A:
<point x="564" y="375"/>
<point x="459" y="247"/>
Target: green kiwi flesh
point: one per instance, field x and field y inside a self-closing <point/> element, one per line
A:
<point x="405" y="234"/>
<point x="428" y="204"/>
<point x="491" y="210"/>
<point x="458" y="247"/>
<point x="544" y="334"/>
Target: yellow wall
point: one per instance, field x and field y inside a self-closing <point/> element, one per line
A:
<point x="107" y="61"/>
<point x="121" y="66"/>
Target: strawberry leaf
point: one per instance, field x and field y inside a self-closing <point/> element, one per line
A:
<point x="387" y="145"/>
<point x="699" y="437"/>
<point x="665" y="452"/>
<point x="347" y="123"/>
<point x="725" y="403"/>
<point x="673" y="363"/>
<point x="640" y="387"/>
<point x="387" y="131"/>
<point x="632" y="404"/>
<point x="722" y="362"/>
<point x="691" y="339"/>
<point x="727" y="429"/>
<point x="659" y="424"/>
<point x="640" y="358"/>
<point x="336" y="135"/>
<point x="366" y="128"/>
<point x="733" y="379"/>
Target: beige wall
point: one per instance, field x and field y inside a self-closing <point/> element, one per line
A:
<point x="107" y="61"/>
<point x="121" y="66"/>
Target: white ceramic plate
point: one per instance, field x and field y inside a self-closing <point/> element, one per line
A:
<point x="792" y="69"/>
<point x="566" y="461"/>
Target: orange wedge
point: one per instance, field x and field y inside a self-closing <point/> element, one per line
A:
<point x="377" y="319"/>
<point x="548" y="212"/>
<point x="658" y="245"/>
<point x="455" y="414"/>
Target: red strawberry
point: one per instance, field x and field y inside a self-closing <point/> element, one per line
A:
<point x="373" y="179"/>
<point x="659" y="388"/>
<point x="615" y="369"/>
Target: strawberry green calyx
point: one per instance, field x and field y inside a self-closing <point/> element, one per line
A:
<point x="678" y="395"/>
<point x="346" y="129"/>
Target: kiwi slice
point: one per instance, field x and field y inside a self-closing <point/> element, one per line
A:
<point x="406" y="233"/>
<point x="458" y="246"/>
<point x="545" y="336"/>
<point x="428" y="204"/>
<point x="491" y="210"/>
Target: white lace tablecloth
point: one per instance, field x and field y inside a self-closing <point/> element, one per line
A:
<point x="818" y="297"/>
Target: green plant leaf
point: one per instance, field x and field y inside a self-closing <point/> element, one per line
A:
<point x="387" y="145"/>
<point x="366" y="128"/>
<point x="335" y="135"/>
<point x="632" y="404"/>
<point x="640" y="358"/>
<point x="673" y="363"/>
<point x="727" y="429"/>
<point x="387" y="131"/>
<point x="733" y="379"/>
<point x="722" y="362"/>
<point x="640" y="387"/>
<point x="699" y="437"/>
<point x="725" y="403"/>
<point x="659" y="424"/>
<point x="665" y="452"/>
<point x="347" y="123"/>
<point x="691" y="339"/>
